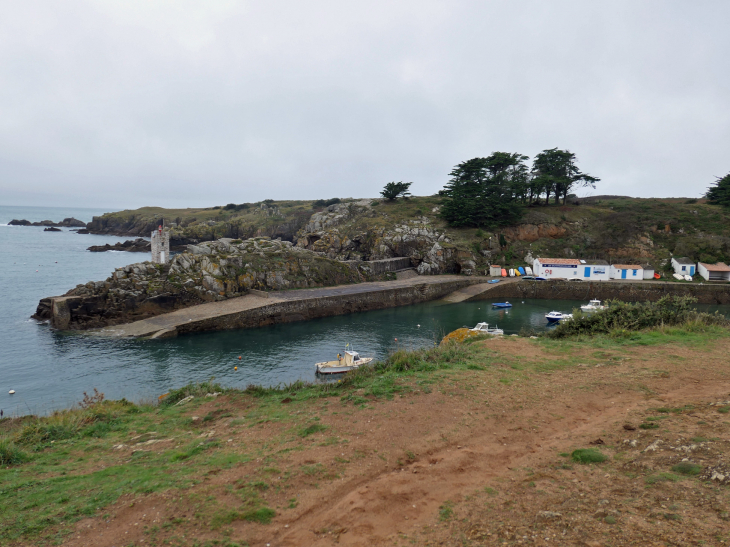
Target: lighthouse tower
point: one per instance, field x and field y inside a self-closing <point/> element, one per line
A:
<point x="160" y="245"/>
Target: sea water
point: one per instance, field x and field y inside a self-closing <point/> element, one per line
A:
<point x="51" y="370"/>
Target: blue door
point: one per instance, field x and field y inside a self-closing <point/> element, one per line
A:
<point x="691" y="270"/>
<point x="587" y="272"/>
<point x="623" y="274"/>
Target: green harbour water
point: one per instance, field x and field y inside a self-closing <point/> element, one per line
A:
<point x="50" y="370"/>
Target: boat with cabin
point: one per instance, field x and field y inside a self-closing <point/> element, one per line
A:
<point x="483" y="328"/>
<point x="344" y="363"/>
<point x="593" y="305"/>
<point x="557" y="316"/>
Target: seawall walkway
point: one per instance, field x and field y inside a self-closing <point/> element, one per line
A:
<point x="255" y="310"/>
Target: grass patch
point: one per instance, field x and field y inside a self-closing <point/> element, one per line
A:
<point x="687" y="468"/>
<point x="312" y="429"/>
<point x="662" y="477"/>
<point x="588" y="455"/>
<point x="446" y="511"/>
<point x="11" y="454"/>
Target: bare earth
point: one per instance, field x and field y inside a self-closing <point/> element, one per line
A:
<point x="474" y="459"/>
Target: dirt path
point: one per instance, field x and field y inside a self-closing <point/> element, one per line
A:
<point x="400" y="471"/>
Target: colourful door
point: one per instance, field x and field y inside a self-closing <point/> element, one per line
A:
<point x="623" y="274"/>
<point x="587" y="272"/>
<point x="691" y="270"/>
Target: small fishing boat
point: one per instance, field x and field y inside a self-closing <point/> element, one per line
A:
<point x="593" y="305"/>
<point x="557" y="316"/>
<point x="494" y="281"/>
<point x="483" y="328"/>
<point x="350" y="361"/>
<point x="501" y="305"/>
<point x="521" y="270"/>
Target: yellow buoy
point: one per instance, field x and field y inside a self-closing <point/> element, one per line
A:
<point x="235" y="368"/>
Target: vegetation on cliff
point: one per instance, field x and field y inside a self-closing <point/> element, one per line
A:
<point x="719" y="194"/>
<point x="612" y="228"/>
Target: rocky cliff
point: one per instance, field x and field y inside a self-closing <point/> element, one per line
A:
<point x="206" y="272"/>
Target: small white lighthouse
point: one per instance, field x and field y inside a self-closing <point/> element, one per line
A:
<point x="160" y="245"/>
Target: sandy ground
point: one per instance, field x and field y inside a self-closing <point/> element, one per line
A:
<point x="472" y="460"/>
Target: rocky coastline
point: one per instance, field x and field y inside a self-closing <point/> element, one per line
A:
<point x="65" y="223"/>
<point x="207" y="272"/>
<point x="138" y="245"/>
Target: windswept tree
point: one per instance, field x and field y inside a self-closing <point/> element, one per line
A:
<point x="484" y="192"/>
<point x="719" y="194"/>
<point x="394" y="190"/>
<point x="555" y="172"/>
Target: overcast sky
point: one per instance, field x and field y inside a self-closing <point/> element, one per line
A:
<point x="128" y="103"/>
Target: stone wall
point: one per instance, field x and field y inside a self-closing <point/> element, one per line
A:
<point x="628" y="292"/>
<point x="326" y="306"/>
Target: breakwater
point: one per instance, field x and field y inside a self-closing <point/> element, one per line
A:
<point x="648" y="291"/>
<point x="288" y="306"/>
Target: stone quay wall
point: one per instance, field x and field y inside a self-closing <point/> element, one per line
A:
<point x="627" y="291"/>
<point x="304" y="309"/>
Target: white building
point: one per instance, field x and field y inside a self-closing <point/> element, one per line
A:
<point x="683" y="266"/>
<point x="571" y="268"/>
<point x="648" y="271"/>
<point x="714" y="272"/>
<point x="627" y="271"/>
<point x="556" y="268"/>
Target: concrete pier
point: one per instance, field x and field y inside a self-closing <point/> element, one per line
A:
<point x="287" y="306"/>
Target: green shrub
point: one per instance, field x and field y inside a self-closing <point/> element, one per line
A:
<point x="621" y="319"/>
<point x="588" y="455"/>
<point x="310" y="430"/>
<point x="262" y="515"/>
<point x="11" y="454"/>
<point x="687" y="468"/>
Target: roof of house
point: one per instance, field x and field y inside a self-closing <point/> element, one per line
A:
<point x="626" y="266"/>
<point x="719" y="267"/>
<point x="567" y="261"/>
<point x="682" y="260"/>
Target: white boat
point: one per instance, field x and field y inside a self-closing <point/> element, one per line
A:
<point x="528" y="270"/>
<point x="511" y="273"/>
<point x="678" y="277"/>
<point x="557" y="316"/>
<point x="593" y="305"/>
<point x="483" y="328"/>
<point x="688" y="278"/>
<point x="350" y="361"/>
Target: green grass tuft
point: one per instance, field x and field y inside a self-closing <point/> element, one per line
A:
<point x="687" y="468"/>
<point x="588" y="455"/>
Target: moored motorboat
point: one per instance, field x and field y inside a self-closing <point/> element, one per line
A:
<point x="501" y="305"/>
<point x="350" y="361"/>
<point x="593" y="305"/>
<point x="483" y="328"/>
<point x="557" y="316"/>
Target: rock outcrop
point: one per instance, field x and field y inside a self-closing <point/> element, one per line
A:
<point x="65" y="223"/>
<point x="209" y="271"/>
<point x="138" y="245"/>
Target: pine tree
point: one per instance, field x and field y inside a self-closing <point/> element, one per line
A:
<point x="719" y="194"/>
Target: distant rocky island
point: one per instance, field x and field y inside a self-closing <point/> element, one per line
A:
<point x="65" y="223"/>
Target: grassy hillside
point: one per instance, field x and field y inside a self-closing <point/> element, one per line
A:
<point x="607" y="227"/>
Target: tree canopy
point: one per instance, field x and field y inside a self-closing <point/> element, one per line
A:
<point x="394" y="190"/>
<point x="555" y="172"/>
<point x="484" y="192"/>
<point x="719" y="194"/>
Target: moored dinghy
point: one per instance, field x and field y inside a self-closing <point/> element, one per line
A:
<point x="501" y="305"/>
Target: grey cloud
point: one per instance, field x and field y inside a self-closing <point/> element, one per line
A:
<point x="123" y="104"/>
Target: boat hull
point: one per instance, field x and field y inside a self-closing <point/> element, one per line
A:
<point x="336" y="367"/>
